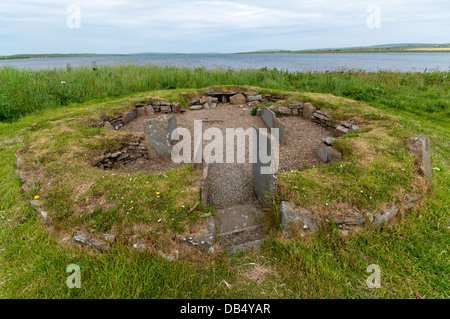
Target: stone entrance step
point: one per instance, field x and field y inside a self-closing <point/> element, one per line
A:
<point x="239" y="228"/>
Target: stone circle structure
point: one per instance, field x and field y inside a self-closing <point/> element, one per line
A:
<point x="156" y="142"/>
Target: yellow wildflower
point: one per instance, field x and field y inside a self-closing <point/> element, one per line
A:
<point x="36" y="197"/>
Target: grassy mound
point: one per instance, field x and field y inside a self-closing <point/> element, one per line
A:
<point x="412" y="254"/>
<point x="59" y="155"/>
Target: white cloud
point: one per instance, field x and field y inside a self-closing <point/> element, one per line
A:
<point x="207" y="25"/>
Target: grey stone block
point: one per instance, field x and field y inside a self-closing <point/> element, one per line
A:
<point x="206" y="100"/>
<point x="340" y="130"/>
<point x="166" y="109"/>
<point x="172" y="124"/>
<point x="238" y="99"/>
<point x="284" y="110"/>
<point x="346" y="124"/>
<point x="329" y="154"/>
<point x="252" y="98"/>
<point x="196" y="107"/>
<point x="145" y="110"/>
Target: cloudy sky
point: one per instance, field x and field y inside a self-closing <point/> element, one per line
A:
<point x="133" y="26"/>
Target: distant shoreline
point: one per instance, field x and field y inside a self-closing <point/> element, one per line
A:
<point x="424" y="50"/>
<point x="322" y="51"/>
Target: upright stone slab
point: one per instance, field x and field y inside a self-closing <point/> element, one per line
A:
<point x="264" y="184"/>
<point x="420" y="146"/>
<point x="308" y="110"/>
<point x="270" y="119"/>
<point x="158" y="134"/>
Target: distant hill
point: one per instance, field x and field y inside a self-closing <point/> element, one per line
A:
<point x="400" y="47"/>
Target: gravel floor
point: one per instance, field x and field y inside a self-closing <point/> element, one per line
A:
<point x="300" y="143"/>
<point x="229" y="184"/>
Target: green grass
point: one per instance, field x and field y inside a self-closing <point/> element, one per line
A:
<point x="25" y="92"/>
<point x="413" y="253"/>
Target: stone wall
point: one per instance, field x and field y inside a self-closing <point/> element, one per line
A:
<point x="310" y="112"/>
<point x="212" y="98"/>
<point x="128" y="153"/>
<point x="115" y="122"/>
<point x="301" y="221"/>
<point x="162" y="107"/>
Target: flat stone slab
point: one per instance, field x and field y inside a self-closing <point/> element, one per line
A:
<point x="237" y="218"/>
